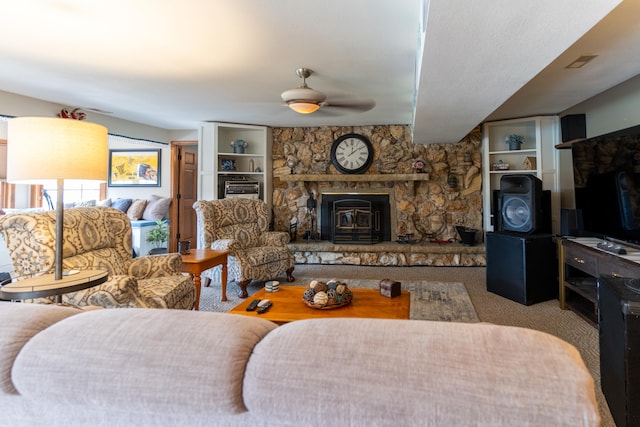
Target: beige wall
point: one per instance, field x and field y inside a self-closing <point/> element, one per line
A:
<point x="17" y="105"/>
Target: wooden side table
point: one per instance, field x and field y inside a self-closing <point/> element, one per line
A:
<point x="200" y="260"/>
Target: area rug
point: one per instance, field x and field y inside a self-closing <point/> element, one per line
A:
<point x="443" y="301"/>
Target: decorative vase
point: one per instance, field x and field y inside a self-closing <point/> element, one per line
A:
<point x="238" y="146"/>
<point x="514" y="145"/>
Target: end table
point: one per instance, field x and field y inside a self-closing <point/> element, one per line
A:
<point x="46" y="286"/>
<point x="200" y="260"/>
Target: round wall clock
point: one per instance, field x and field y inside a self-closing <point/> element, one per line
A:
<point x="352" y="153"/>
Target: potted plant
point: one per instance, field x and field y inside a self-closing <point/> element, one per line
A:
<point x="158" y="236"/>
<point x="514" y="141"/>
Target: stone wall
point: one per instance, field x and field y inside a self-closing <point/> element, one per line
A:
<point x="452" y="195"/>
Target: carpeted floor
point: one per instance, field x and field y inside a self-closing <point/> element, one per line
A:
<point x="546" y="316"/>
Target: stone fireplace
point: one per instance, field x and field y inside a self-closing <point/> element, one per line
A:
<point x="427" y="205"/>
<point x="355" y="218"/>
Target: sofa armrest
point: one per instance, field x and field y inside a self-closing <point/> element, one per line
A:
<point x="156" y="266"/>
<point x="274" y="238"/>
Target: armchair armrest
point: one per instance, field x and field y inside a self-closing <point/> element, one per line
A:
<point x="117" y="291"/>
<point x="274" y="238"/>
<point x="232" y="245"/>
<point x="156" y="266"/>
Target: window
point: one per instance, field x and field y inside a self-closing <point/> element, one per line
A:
<point x="74" y="192"/>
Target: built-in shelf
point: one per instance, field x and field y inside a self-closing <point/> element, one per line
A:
<point x="410" y="178"/>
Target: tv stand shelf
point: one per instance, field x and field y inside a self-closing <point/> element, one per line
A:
<point x="581" y="262"/>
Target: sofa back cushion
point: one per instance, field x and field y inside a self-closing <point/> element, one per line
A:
<point x="241" y="219"/>
<point x="416" y="372"/>
<point x="18" y="324"/>
<point x="165" y="361"/>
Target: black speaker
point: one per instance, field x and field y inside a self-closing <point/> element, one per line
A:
<point x="571" y="222"/>
<point x="495" y="209"/>
<point x="522" y="268"/>
<point x="619" y="329"/>
<point x="611" y="202"/>
<point x="574" y="126"/>
<point x="524" y="207"/>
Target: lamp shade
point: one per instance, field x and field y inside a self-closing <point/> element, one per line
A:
<point x="42" y="149"/>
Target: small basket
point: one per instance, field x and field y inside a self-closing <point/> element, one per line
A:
<point x="326" y="306"/>
<point x="327" y="296"/>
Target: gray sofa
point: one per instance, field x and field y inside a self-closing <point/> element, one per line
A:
<point x="60" y="366"/>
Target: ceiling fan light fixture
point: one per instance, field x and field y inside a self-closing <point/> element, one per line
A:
<point x="303" y="99"/>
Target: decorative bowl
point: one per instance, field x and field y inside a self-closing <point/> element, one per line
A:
<point x="327" y="296"/>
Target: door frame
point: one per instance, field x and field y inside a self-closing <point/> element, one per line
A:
<point x="174" y="188"/>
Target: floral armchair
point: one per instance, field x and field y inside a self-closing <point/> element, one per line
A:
<point x="242" y="227"/>
<point x="97" y="238"/>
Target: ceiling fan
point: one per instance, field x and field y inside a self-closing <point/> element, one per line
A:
<point x="305" y="100"/>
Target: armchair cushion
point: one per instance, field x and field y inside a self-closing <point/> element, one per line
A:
<point x="100" y="238"/>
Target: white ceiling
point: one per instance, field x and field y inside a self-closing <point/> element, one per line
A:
<point x="176" y="64"/>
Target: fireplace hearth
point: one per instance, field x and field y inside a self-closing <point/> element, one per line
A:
<point x="355" y="218"/>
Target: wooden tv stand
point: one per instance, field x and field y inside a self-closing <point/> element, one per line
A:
<point x="580" y="264"/>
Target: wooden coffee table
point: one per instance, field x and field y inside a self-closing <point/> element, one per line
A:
<point x="288" y="305"/>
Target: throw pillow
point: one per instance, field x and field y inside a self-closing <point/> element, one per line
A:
<point x="136" y="209"/>
<point x="87" y="203"/>
<point x="157" y="208"/>
<point x="105" y="203"/>
<point x="122" y="204"/>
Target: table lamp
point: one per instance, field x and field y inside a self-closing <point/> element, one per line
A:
<point x="43" y="150"/>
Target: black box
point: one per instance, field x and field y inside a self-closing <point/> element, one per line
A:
<point x="522" y="268"/>
<point x="389" y="288"/>
<point x="573" y="126"/>
<point x="619" y="327"/>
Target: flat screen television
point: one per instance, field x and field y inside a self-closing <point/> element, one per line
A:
<point x="606" y="173"/>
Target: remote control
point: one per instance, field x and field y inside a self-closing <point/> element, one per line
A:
<point x="252" y="306"/>
<point x="263" y="303"/>
<point x="264" y="308"/>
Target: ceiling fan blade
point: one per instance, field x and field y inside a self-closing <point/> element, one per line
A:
<point x="354" y="105"/>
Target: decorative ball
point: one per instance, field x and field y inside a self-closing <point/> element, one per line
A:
<point x="320" y="298"/>
<point x="321" y="287"/>
<point x="340" y="288"/>
<point x="308" y="294"/>
<point x="313" y="284"/>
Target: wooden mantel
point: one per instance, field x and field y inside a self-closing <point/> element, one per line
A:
<point x="410" y="178"/>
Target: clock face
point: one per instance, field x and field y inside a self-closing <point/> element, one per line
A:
<point x="352" y="153"/>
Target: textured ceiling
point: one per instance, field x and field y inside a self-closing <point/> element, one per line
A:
<point x="174" y="65"/>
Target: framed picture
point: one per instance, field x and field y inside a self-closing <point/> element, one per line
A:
<point x="134" y="168"/>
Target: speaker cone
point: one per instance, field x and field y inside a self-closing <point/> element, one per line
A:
<point x="516" y="214"/>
